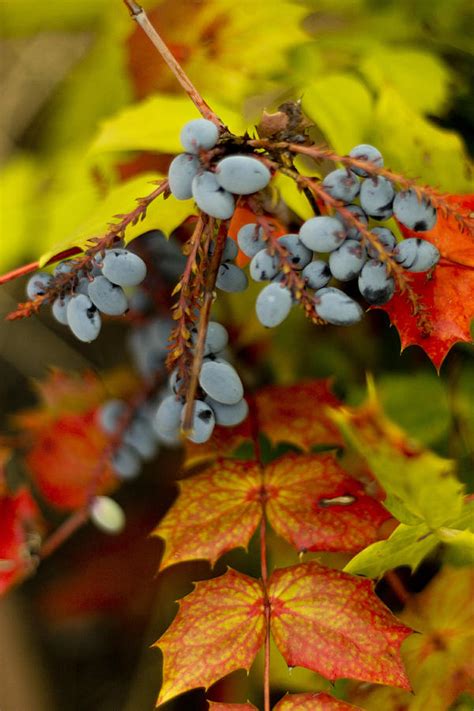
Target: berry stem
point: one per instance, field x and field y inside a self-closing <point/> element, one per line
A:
<point x="255" y="429"/>
<point x="204" y="316"/>
<point x="115" y="231"/>
<point x="141" y="18"/>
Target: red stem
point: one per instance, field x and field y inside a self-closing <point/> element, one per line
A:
<point x="253" y="414"/>
<point x="65" y="530"/>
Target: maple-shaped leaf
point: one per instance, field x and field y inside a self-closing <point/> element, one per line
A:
<point x="439" y="660"/>
<point x="223" y="442"/>
<point x="420" y="485"/>
<point x="447" y="295"/>
<point x="312" y="702"/>
<point x="334" y="624"/>
<point x="219" y="628"/>
<point x="220" y="706"/>
<point x="309" y="500"/>
<point x="297" y="413"/>
<point x="216" y="510"/>
<point x="20" y="524"/>
<point x="315" y="505"/>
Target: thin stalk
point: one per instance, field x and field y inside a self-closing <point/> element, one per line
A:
<point x="141" y="18"/>
<point x="253" y="414"/>
<point x="204" y="316"/>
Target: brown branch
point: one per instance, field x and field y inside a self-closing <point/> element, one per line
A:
<point x="115" y="232"/>
<point x="141" y="18"/>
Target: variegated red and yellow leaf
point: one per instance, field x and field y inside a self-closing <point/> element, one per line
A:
<point x="315" y="505"/>
<point x="296" y="414"/>
<point x="223" y="442"/>
<point x="219" y="628"/>
<point x="216" y="510"/>
<point x="333" y="623"/>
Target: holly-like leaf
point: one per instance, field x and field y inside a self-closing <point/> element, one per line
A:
<point x="408" y="545"/>
<point x="334" y="624"/>
<point x="216" y="511"/>
<point x="438" y="661"/>
<point x="297" y="413"/>
<point x="20" y="522"/>
<point x="219" y="706"/>
<point x="446" y="295"/>
<point x="421" y="486"/>
<point x="312" y="702"/>
<point x="315" y="505"/>
<point x="219" y="628"/>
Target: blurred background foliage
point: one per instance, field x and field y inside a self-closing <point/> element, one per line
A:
<point x="90" y="115"/>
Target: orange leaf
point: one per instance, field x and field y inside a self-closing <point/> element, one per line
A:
<point x="216" y="511"/>
<point x="312" y="702"/>
<point x="315" y="505"/>
<point x="223" y="442"/>
<point x="243" y="216"/>
<point x="333" y="623"/>
<point x="296" y="413"/>
<point x="68" y="461"/>
<point x="218" y="706"/>
<point x="19" y="523"/>
<point x="447" y="296"/>
<point x="219" y="628"/>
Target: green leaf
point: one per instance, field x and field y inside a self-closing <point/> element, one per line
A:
<point x="294" y="198"/>
<point x="154" y="125"/>
<point x="162" y="214"/>
<point x="428" y="417"/>
<point x="424" y="483"/>
<point x="421" y="78"/>
<point x="19" y="180"/>
<point x="342" y="108"/>
<point x="417" y="147"/>
<point x="408" y="545"/>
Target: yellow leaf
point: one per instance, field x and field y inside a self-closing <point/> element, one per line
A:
<point x="342" y="108"/>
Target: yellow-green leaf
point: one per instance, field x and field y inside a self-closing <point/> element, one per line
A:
<point x="162" y="214"/>
<point x="420" y="77"/>
<point x="154" y="125"/>
<point x="342" y="108"/>
<point x="417" y="147"/>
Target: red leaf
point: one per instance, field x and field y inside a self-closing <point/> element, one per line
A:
<point x="67" y="454"/>
<point x="447" y="296"/>
<point x="312" y="702"/>
<point x="219" y="628"/>
<point x="67" y="461"/>
<point x="332" y="623"/>
<point x="216" y="511"/>
<point x="19" y="523"/>
<point x="315" y="505"/>
<point x="296" y="413"/>
<point x="223" y="442"/>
